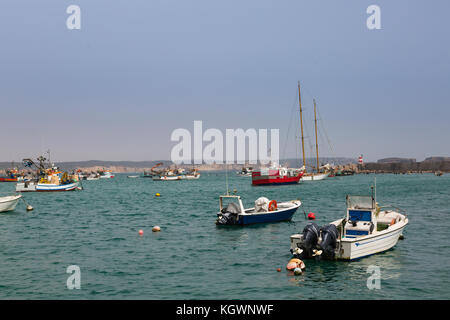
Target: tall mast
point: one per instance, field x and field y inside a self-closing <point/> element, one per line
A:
<point x="317" y="146"/>
<point x="301" y="124"/>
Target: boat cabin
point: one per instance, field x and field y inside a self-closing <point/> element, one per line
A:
<point x="361" y="217"/>
<point x="224" y="202"/>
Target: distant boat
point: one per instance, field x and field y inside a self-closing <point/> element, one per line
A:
<point x="438" y="173"/>
<point x="106" y="175"/>
<point x="275" y="176"/>
<point x="9" y="203"/>
<point x="12" y="175"/>
<point x="132" y="177"/>
<point x="245" y="172"/>
<point x="47" y="178"/>
<point x="264" y="211"/>
<point x="310" y="176"/>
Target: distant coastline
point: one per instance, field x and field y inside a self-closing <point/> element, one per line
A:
<point x="387" y="165"/>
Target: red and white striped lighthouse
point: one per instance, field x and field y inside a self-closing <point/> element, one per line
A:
<point x="360" y="159"/>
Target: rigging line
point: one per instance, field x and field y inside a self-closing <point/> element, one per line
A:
<point x="325" y="132"/>
<point x="289" y="127"/>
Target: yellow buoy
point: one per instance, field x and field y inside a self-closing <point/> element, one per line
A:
<point x="157" y="195"/>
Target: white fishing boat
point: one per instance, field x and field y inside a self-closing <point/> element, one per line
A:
<point x="47" y="179"/>
<point x="9" y="203"/>
<point x="29" y="186"/>
<point x="167" y="178"/>
<point x="365" y="230"/>
<point x="132" y="177"/>
<point x="106" y="175"/>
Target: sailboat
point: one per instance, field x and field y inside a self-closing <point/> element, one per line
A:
<point x="310" y="176"/>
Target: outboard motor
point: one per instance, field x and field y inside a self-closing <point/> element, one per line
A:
<point x="229" y="214"/>
<point x="310" y="238"/>
<point x="330" y="235"/>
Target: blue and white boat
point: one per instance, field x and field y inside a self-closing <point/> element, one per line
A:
<point x="234" y="213"/>
<point x="365" y="230"/>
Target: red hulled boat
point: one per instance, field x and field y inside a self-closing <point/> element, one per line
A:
<point x="276" y="176"/>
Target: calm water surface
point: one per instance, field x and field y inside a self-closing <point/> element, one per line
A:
<point x="191" y="258"/>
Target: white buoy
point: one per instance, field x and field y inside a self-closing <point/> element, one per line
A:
<point x="297" y="271"/>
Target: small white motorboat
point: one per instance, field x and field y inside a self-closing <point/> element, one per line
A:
<point x="365" y="230"/>
<point x="106" y="175"/>
<point x="132" y="177"/>
<point x="9" y="203"/>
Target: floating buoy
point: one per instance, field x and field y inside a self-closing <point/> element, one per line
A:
<point x="278" y="269"/>
<point x="156" y="229"/>
<point x="141" y="232"/>
<point x="311" y="216"/>
<point x="295" y="263"/>
<point x="29" y="208"/>
<point x="297" y="271"/>
<point x="157" y="195"/>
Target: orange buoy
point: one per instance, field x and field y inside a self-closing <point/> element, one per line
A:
<point x="273" y="205"/>
<point x="295" y="263"/>
<point x="156" y="229"/>
<point x="141" y="232"/>
<point x="311" y="216"/>
<point x="278" y="269"/>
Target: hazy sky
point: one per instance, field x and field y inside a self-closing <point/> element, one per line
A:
<point x="137" y="70"/>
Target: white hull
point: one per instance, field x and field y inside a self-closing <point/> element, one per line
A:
<point x="355" y="248"/>
<point x="92" y="179"/>
<point x="9" y="203"/>
<point x="315" y="177"/>
<point x="191" y="177"/>
<point x="108" y="176"/>
<point x="44" y="187"/>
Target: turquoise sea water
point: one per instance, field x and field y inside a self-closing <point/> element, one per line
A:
<point x="192" y="258"/>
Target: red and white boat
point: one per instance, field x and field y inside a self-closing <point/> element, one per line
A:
<point x="276" y="176"/>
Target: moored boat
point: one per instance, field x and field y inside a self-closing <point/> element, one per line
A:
<point x="276" y="175"/>
<point x="365" y="230"/>
<point x="47" y="179"/>
<point x="106" y="175"/>
<point x="265" y="210"/>
<point x="245" y="172"/>
<point x="9" y="203"/>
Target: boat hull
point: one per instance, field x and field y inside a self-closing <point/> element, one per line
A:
<point x="273" y="180"/>
<point x="45" y="187"/>
<point x="6" y="179"/>
<point x="314" y="177"/>
<point x="9" y="203"/>
<point x="274" y="216"/>
<point x="359" y="248"/>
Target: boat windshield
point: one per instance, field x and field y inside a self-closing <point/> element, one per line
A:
<point x="360" y="202"/>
